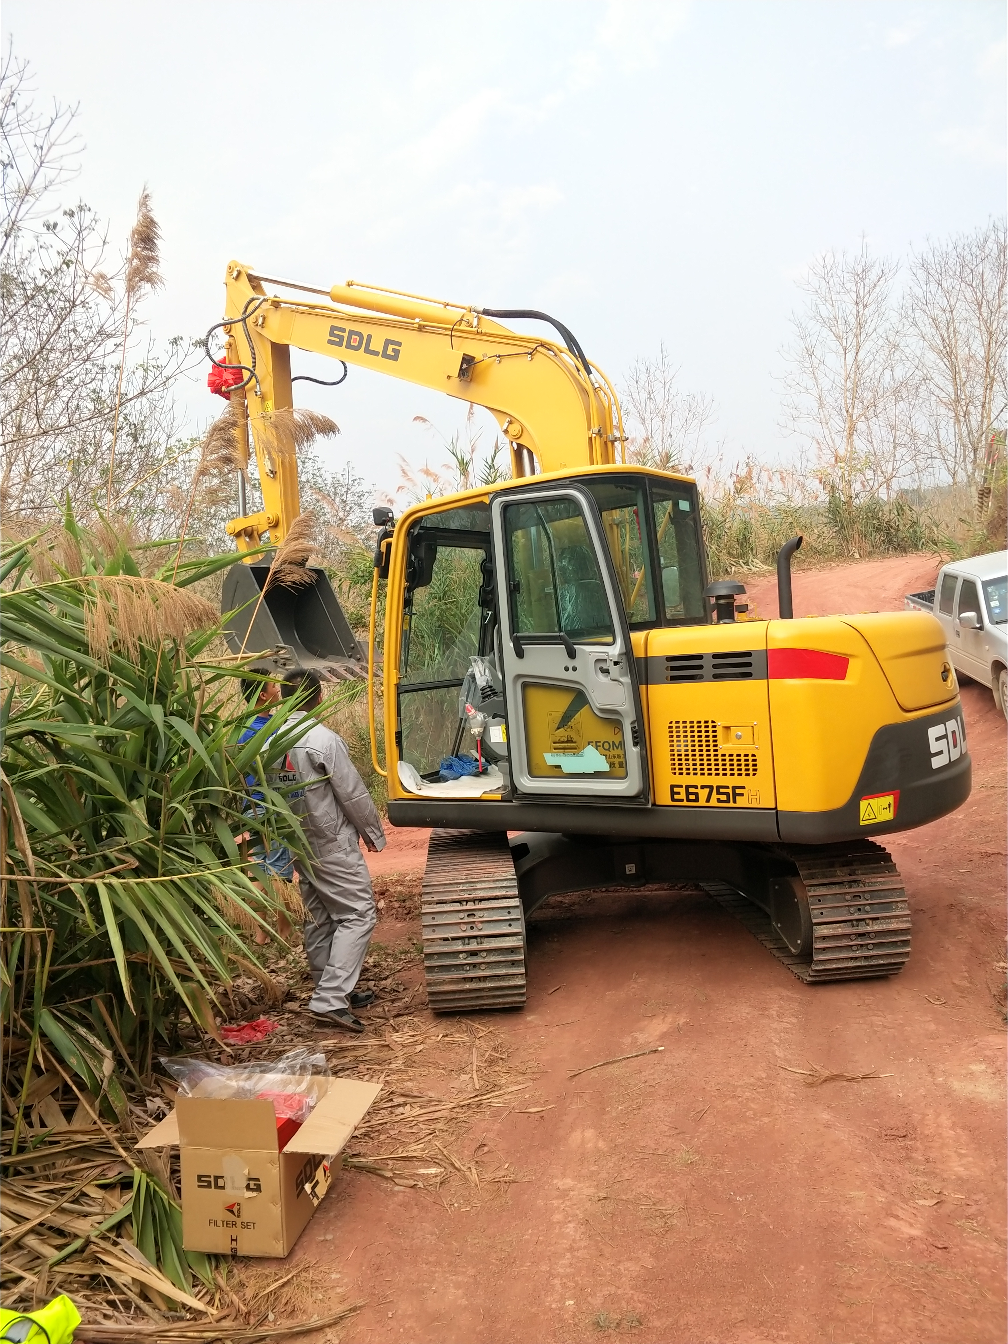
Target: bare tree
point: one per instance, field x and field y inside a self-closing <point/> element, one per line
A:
<point x="668" y="424"/>
<point x="342" y="502"/>
<point x="850" y="388"/>
<point x="39" y="148"/>
<point x="65" y="324"/>
<point x="958" y="304"/>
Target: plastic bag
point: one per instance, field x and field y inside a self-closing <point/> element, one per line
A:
<point x="293" y="1083"/>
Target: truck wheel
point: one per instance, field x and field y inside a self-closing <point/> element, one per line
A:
<point x="1001" y="690"/>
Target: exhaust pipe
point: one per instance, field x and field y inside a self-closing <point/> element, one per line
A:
<point x="784" y="602"/>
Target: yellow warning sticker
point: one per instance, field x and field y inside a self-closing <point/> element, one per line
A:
<point x="878" y="807"/>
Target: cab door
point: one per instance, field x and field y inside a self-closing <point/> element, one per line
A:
<point x="574" y="721"/>
<point x="969" y="643"/>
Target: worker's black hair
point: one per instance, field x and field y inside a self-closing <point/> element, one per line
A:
<point x="251" y="689"/>
<point x="308" y="683"/>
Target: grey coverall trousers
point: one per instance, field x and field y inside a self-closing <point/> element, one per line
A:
<point x="336" y="810"/>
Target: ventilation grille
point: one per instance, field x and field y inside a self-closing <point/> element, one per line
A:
<point x="684" y="667"/>
<point x="732" y="667"/>
<point x="695" y="752"/>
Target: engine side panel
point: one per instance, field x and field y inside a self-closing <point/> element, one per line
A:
<point x="849" y="759"/>
<point x="709" y="716"/>
<point x="910" y="646"/>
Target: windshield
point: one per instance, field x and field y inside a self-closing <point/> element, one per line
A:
<point x="996" y="596"/>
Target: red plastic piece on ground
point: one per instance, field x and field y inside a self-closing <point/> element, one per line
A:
<point x="222" y="381"/>
<point x="248" y="1033"/>
<point x="802" y="664"/>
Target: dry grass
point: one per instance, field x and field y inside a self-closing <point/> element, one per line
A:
<point x="287" y="1295"/>
<point x="285" y="432"/>
<point x="125" y="612"/>
<point x="816" y="1075"/>
<point x="438" y="1076"/>
<point x="60" y="1190"/>
<point x="604" y="1321"/>
<point x="143" y="264"/>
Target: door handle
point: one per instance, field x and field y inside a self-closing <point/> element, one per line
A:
<point x="520" y="642"/>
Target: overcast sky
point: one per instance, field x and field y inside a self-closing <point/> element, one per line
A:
<point x="646" y="172"/>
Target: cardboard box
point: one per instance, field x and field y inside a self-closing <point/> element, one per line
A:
<point x="240" y="1194"/>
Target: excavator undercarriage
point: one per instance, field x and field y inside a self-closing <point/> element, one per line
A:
<point x="827" y="912"/>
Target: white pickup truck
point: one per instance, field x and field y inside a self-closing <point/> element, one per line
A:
<point x="971" y="601"/>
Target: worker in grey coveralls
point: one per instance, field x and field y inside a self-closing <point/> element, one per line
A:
<point x="337" y="810"/>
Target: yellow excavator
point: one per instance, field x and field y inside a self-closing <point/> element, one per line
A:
<point x="559" y="668"/>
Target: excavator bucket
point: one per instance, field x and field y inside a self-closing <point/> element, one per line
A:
<point x="289" y="629"/>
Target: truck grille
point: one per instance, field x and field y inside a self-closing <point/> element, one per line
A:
<point x="694" y="750"/>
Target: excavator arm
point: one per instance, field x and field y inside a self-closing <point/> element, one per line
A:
<point x="556" y="409"/>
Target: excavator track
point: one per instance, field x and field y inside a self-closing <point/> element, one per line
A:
<point x="473" y="924"/>
<point x="859" y="913"/>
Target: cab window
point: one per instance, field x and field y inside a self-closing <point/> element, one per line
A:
<point x="947" y="594"/>
<point x="677" y="532"/>
<point x="653" y="534"/>
<point x="554" y="577"/>
<point x="969" y="600"/>
<point x="623" y="508"/>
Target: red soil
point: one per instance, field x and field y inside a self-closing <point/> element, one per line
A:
<point x="708" y="1192"/>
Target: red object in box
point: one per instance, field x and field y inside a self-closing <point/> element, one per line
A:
<point x="292" y="1110"/>
<point x="286" y="1129"/>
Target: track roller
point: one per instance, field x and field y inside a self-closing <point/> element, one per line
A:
<point x="473" y="924"/>
<point x="839" y="913"/>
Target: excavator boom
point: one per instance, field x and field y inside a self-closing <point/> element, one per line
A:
<point x="556" y="409"/>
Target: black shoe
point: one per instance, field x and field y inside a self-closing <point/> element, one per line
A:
<point x="362" y="998"/>
<point x="341" y="1017"/>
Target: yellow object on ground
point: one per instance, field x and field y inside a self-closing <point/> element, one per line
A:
<point x="54" y="1323"/>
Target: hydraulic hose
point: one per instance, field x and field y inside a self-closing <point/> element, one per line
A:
<point x="322" y="382"/>
<point x="570" y="340"/>
<point x="246" y="313"/>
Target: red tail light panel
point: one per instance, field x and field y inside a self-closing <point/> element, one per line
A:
<point x="806" y="664"/>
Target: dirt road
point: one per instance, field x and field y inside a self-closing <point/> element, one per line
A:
<point x="717" y="1190"/>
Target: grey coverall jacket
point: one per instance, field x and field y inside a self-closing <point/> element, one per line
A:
<point x="336" y="809"/>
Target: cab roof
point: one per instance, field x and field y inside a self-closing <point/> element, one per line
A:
<point x="484" y="493"/>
